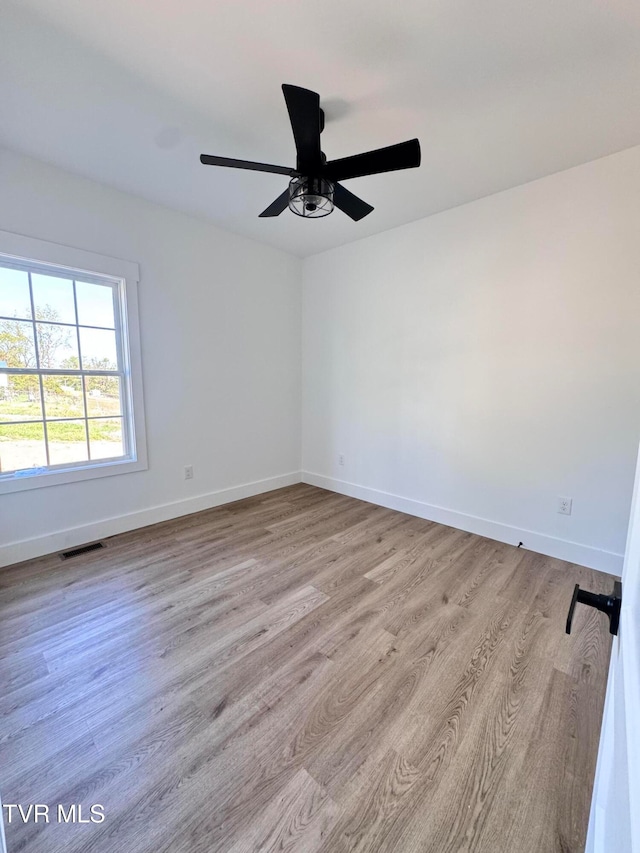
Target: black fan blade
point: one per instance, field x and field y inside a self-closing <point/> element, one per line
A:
<point x="276" y="207"/>
<point x="404" y="155"/>
<point x="212" y="160"/>
<point x="304" y="113"/>
<point x="350" y="204"/>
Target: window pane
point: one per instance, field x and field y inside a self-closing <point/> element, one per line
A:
<point x="57" y="346"/>
<point x="98" y="348"/>
<point x="14" y="293"/>
<point x="67" y="441"/>
<point x="53" y="298"/>
<point x="63" y="397"/>
<point x="21" y="446"/>
<point x="105" y="438"/>
<point x="16" y="344"/>
<point x="103" y="396"/>
<point x="20" y="398"/>
<point x="95" y="304"/>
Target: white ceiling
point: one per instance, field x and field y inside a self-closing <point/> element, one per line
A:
<point x="130" y="92"/>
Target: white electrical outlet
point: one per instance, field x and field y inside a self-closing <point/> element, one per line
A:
<point x="188" y="472"/>
<point x="565" y="505"/>
<point x="341" y="459"/>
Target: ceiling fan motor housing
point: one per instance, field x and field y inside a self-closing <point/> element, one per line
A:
<point x="311" y="197"/>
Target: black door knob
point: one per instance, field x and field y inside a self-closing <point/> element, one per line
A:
<point x="609" y="604"/>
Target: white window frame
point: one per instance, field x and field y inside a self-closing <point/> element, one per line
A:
<point x="17" y="248"/>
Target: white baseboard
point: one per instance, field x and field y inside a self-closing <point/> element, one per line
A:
<point x="551" y="546"/>
<point x="27" y="549"/>
<point x="573" y="552"/>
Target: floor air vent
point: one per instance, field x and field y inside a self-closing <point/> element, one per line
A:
<point x="84" y="549"/>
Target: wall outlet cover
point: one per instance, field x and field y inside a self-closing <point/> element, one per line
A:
<point x="565" y="505"/>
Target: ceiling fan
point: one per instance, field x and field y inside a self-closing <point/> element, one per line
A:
<point x="314" y="190"/>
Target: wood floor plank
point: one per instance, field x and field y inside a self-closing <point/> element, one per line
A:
<point x="504" y="722"/>
<point x="301" y="671"/>
<point x="296" y="819"/>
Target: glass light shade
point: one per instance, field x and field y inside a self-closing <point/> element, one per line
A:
<point x="311" y="197"/>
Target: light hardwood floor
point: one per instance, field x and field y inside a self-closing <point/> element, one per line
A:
<point x="301" y="671"/>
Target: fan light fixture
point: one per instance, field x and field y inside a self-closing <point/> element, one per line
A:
<point x="314" y="197"/>
<point x="311" y="197"/>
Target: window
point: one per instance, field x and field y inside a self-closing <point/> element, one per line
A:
<point x="68" y="407"/>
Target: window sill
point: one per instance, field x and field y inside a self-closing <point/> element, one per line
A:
<point x="22" y="481"/>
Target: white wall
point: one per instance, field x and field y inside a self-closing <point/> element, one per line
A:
<point x="220" y="328"/>
<point x="477" y="364"/>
